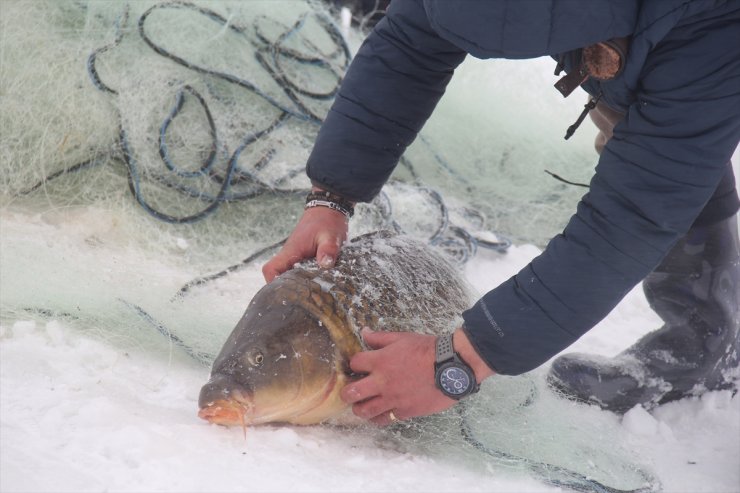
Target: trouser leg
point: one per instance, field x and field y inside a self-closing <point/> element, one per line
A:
<point x="696" y="292"/>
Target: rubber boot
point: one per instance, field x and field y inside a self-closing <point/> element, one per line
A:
<point x="696" y="291"/>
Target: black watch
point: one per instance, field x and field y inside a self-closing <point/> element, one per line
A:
<point x="451" y="374"/>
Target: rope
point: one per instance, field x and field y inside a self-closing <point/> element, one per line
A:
<point x="560" y="178"/>
<point x="203" y="358"/>
<point x="199" y="281"/>
<point x="549" y="473"/>
<point x="271" y="53"/>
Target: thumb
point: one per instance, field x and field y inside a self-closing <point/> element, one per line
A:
<point x="379" y="339"/>
<point x="327" y="251"/>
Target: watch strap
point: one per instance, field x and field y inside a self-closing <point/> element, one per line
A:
<point x="445" y="353"/>
<point x="444" y="349"/>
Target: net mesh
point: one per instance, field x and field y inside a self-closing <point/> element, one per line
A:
<point x="149" y="145"/>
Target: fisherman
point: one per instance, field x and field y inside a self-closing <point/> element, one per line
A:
<point x="664" y="81"/>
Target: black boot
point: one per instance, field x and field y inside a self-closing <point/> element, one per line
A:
<point x="696" y="291"/>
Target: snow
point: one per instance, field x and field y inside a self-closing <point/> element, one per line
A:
<point x="80" y="414"/>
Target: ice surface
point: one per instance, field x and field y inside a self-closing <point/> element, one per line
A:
<point x="96" y="392"/>
<point x="79" y="414"/>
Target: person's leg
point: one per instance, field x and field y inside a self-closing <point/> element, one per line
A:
<point x="696" y="292"/>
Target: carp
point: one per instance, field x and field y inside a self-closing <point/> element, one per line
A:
<point x="288" y="357"/>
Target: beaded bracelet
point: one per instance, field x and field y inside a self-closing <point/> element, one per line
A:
<point x="330" y="200"/>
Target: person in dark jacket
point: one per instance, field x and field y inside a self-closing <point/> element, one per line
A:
<point x="664" y="81"/>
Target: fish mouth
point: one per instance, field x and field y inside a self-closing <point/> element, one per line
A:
<point x="227" y="413"/>
<point x="238" y="410"/>
<point x="233" y="410"/>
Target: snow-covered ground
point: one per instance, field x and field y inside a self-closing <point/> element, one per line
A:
<point x="95" y="407"/>
<point x="80" y="414"/>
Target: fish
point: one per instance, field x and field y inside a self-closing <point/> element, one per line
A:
<point x="287" y="358"/>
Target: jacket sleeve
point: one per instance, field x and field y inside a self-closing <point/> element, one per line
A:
<point x="390" y="89"/>
<point x="653" y="178"/>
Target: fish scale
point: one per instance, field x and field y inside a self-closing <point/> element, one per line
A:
<point x="381" y="280"/>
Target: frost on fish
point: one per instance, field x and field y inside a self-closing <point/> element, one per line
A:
<point x="325" y="285"/>
<point x="313" y="316"/>
<point x="395" y="283"/>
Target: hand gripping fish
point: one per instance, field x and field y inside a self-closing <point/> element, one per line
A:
<point x="287" y="359"/>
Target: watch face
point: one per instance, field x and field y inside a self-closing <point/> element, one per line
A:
<point x="454" y="381"/>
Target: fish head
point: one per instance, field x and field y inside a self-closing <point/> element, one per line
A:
<point x="280" y="364"/>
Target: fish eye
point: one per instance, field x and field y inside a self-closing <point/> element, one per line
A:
<point x="256" y="358"/>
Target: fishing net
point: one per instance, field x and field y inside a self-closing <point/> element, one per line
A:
<point x="152" y="158"/>
<point x="153" y="145"/>
<point x="181" y="110"/>
<point x="517" y="425"/>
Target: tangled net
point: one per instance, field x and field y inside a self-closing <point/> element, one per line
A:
<point x="208" y="131"/>
<point x="182" y="129"/>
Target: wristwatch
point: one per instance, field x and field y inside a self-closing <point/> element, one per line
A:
<point x="451" y="374"/>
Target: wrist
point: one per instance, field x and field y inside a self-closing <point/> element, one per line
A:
<point x="322" y="198"/>
<point x="321" y="189"/>
<point x="470" y="356"/>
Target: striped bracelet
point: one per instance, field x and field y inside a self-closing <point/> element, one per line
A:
<point x="330" y="200"/>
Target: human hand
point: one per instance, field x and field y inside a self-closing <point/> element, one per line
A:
<point x="400" y="378"/>
<point x="319" y="233"/>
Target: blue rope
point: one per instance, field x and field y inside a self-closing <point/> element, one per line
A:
<point x="270" y="54"/>
<point x="233" y="174"/>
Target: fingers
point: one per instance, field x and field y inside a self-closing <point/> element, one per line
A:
<point x="399" y="378"/>
<point x="327" y="250"/>
<point x="377" y="411"/>
<point x="362" y="363"/>
<point x="319" y="233"/>
<point x="329" y="241"/>
<point x="387" y="418"/>
<point x="364" y="395"/>
<point x="283" y="261"/>
<point x="380" y="339"/>
<point x="363" y="389"/>
<point x="365" y="361"/>
<point x="374" y="409"/>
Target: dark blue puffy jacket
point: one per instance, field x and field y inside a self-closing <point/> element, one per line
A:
<point x="679" y="90"/>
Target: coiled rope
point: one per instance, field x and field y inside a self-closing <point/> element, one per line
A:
<point x="271" y="54"/>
